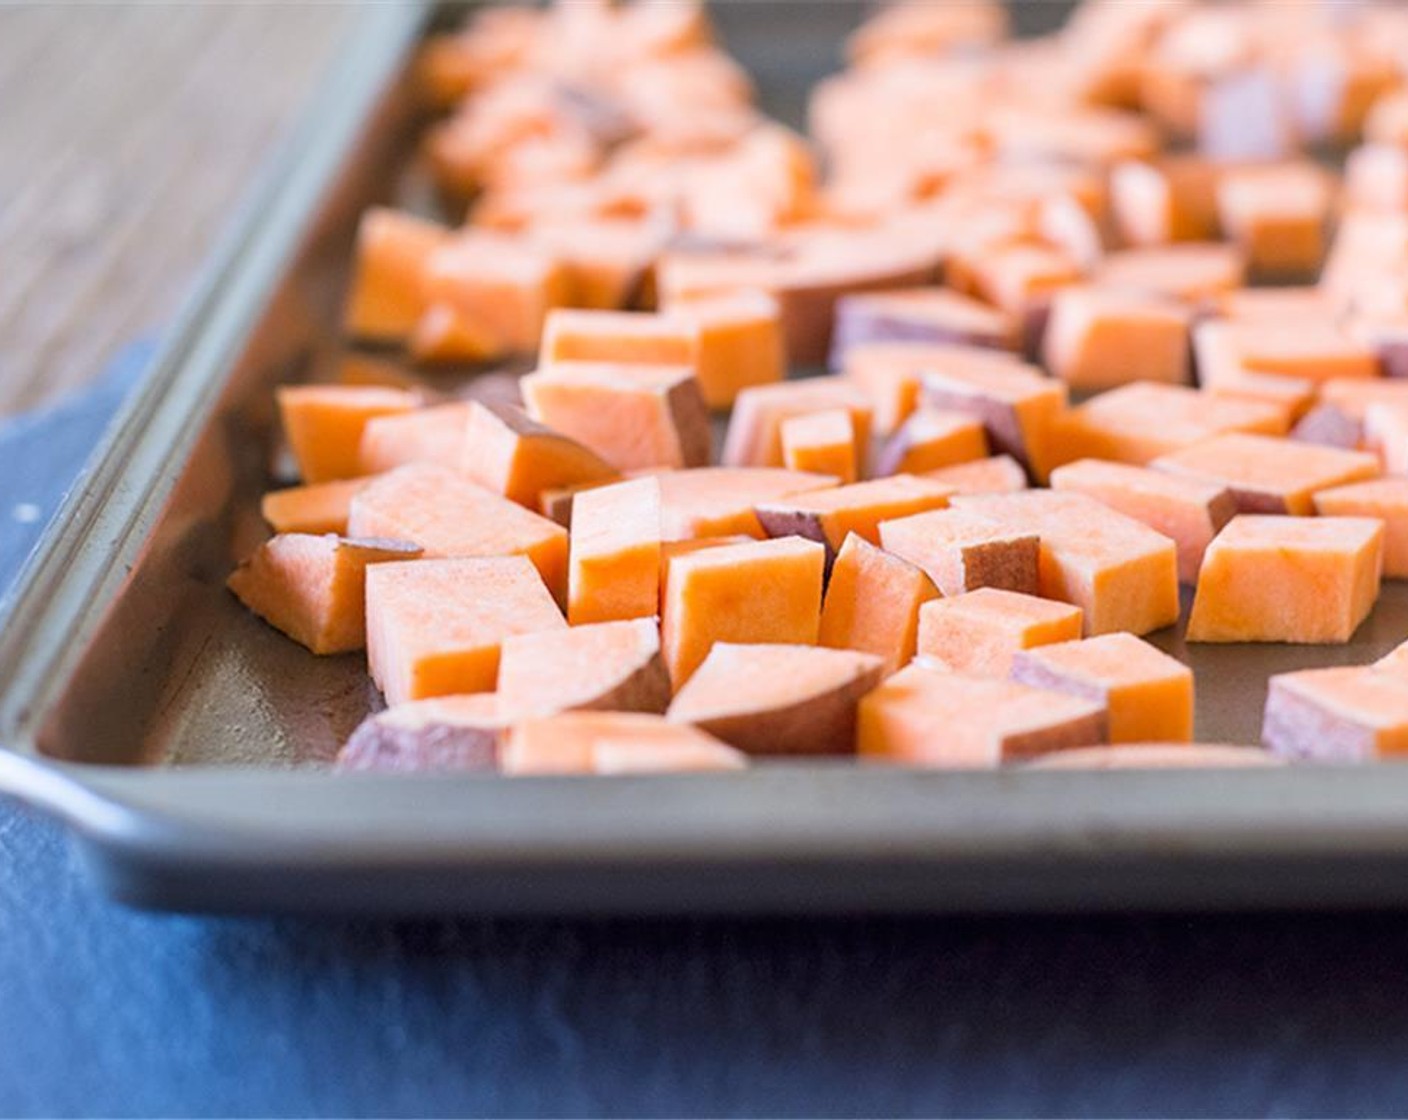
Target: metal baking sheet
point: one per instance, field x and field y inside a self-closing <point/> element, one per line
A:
<point x="186" y="743"/>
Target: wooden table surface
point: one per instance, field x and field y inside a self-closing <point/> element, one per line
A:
<point x="128" y="134"/>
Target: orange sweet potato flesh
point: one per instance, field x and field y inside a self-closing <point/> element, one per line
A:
<point x="778" y="699"/>
<point x="1385" y="498"/>
<point x="614" y="563"/>
<point x="1000" y="474"/>
<point x="435" y="627"/>
<point x="504" y="286"/>
<point x="979" y="632"/>
<point x="627" y="337"/>
<point x="928" y="717"/>
<point x="633" y="417"/>
<point x="319" y="508"/>
<point x="930" y="440"/>
<point x="738" y="343"/>
<point x="430" y="435"/>
<point x="387" y="296"/>
<point x="445" y="336"/>
<point x="1157" y="756"/>
<point x="720" y="501"/>
<point x="872" y="603"/>
<point x="605" y="666"/>
<point x="823" y="442"/>
<point x="961" y="552"/>
<point x="612" y="743"/>
<point x="754" y="436"/>
<point x="312" y="587"/>
<point x="763" y="591"/>
<point x="508" y="452"/>
<point x="324" y="424"/>
<point x="830" y="515"/>
<point x="452" y="517"/>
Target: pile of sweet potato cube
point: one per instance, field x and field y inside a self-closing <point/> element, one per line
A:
<point x="1100" y="321"/>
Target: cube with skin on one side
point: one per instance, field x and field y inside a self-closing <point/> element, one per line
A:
<point x="931" y="439"/>
<point x="613" y="565"/>
<point x="980" y="631"/>
<point x="829" y="516"/>
<point x="962" y="552"/>
<point x="769" y="699"/>
<point x="890" y="373"/>
<point x="437" y="734"/>
<point x="764" y="591"/>
<point x="931" y="717"/>
<point x="1189" y="511"/>
<point x="602" y="666"/>
<point x="1017" y="405"/>
<point x="872" y="603"/>
<point x="435" y="627"/>
<point x="1148" y="693"/>
<point x="1309" y="580"/>
<point x="1122" y="574"/>
<point x="612" y="743"/>
<point x="922" y="315"/>
<point x="1337" y="715"/>
<point x="508" y="452"/>
<point x="1268" y="475"/>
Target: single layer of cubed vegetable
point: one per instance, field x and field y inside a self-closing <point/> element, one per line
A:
<point x="452" y="517"/>
<point x="763" y="591"/>
<point x="508" y="452"/>
<point x="1309" y="580"/>
<point x="312" y="587"/>
<point x="932" y="717"/>
<point x="1268" y="475"/>
<point x="614" y="552"/>
<point x="1122" y="574"/>
<point x="603" y="666"/>
<point x="1149" y="694"/>
<point x="636" y="417"/>
<point x="770" y="699"/>
<point x="435" y="627"/>
<point x="1189" y="511"/>
<point x="324" y="424"/>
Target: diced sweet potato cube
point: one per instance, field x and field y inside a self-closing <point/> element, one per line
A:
<point x="1315" y="349"/>
<point x="1337" y="715"/>
<point x="452" y="517"/>
<point x="1017" y="406"/>
<point x="1376" y="178"/>
<point x="324" y="424"/>
<point x="508" y="452"/>
<point x="1098" y="338"/>
<point x="927" y="717"/>
<point x="1189" y="511"/>
<point x="504" y="285"/>
<point x="1224" y="372"/>
<point x="764" y="591"/>
<point x="1353" y="395"/>
<point x="1384" y="498"/>
<point x="634" y="417"/>
<point x="435" y="627"/>
<point x="1122" y="574"/>
<point x="918" y="315"/>
<point x="671" y="550"/>
<point x="1193" y="271"/>
<point x="444" y="335"/>
<point x="1268" y="475"/>
<point x="1157" y="756"/>
<point x="604" y="666"/>
<point x="1386" y="433"/>
<point x="778" y="699"/>
<point x="755" y="428"/>
<point x="1155" y="202"/>
<point x="890" y="373"/>
<point x="1308" y="580"/>
<point x="430" y="435"/>
<point x="931" y="439"/>
<point x="312" y="587"/>
<point x="1018" y="278"/>
<point x="1278" y="304"/>
<point x="829" y="516"/>
<point x="1277" y="214"/>
<point x="824" y="442"/>
<point x="442" y="733"/>
<point x="624" y="337"/>
<point x="1149" y="695"/>
<point x="614" y="563"/>
<point x="1329" y="426"/>
<point x="319" y="508"/>
<point x="978" y="632"/>
<point x="612" y="743"/>
<point x="738" y="342"/>
<point x="1138" y="423"/>
<point x="962" y="552"/>
<point x="387" y="295"/>
<point x="720" y="501"/>
<point x="608" y="260"/>
<point x="872" y="603"/>
<point x="1000" y="474"/>
<point x="556" y="502"/>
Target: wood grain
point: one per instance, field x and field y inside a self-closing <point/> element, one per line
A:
<point x="128" y="135"/>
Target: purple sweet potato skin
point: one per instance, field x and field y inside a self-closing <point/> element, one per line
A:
<point x="999" y="420"/>
<point x="692" y="422"/>
<point x="1295" y="727"/>
<point x="1009" y="565"/>
<point x="378" y="745"/>
<point x="1330" y="426"/>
